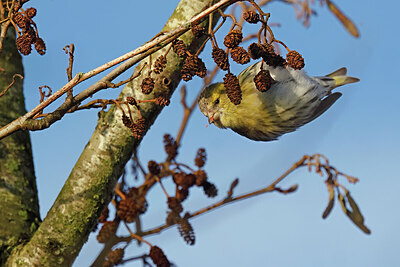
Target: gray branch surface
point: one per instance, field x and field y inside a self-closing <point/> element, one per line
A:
<point x="90" y="185"/>
<point x="19" y="207"/>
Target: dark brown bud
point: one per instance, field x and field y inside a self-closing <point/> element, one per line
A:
<point x="251" y="16"/>
<point x="201" y="157"/>
<point x="107" y="230"/>
<point x="115" y="257"/>
<point x="147" y="85"/>
<point x="201" y="177"/>
<point x="170" y="146"/>
<point x="179" y="48"/>
<point x="263" y="80"/>
<point x="233" y="39"/>
<point x="154" y="168"/>
<point x="220" y="58"/>
<point x="131" y="101"/>
<point x="160" y="64"/>
<point x="240" y="55"/>
<point x="127" y="210"/>
<point x="210" y="189"/>
<point x="158" y="257"/>
<point x="172" y="218"/>
<point x="178" y="178"/>
<point x="295" y="60"/>
<point x="232" y="88"/>
<point x="175" y="205"/>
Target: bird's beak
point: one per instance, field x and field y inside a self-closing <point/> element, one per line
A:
<point x="211" y="119"/>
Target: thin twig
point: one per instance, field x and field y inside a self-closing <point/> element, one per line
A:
<point x="134" y="56"/>
<point x="11" y="84"/>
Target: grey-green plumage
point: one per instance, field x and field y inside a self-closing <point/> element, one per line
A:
<point x="291" y="102"/>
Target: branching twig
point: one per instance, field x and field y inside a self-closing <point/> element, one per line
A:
<point x="133" y="56"/>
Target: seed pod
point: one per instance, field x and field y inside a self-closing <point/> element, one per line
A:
<point x="153" y="167"/>
<point x="251" y="16"/>
<point x="255" y="50"/>
<point x="106" y="231"/>
<point x="295" y="60"/>
<point x="210" y="189"/>
<point x="40" y="46"/>
<point x="233" y="39"/>
<point x="127" y="121"/>
<point x="182" y="194"/>
<point x="179" y="48"/>
<point x="138" y="129"/>
<point x="147" y="85"/>
<point x="201" y="157"/>
<point x="201" y="177"/>
<point x="23" y="45"/>
<point x="263" y="80"/>
<point x="158" y="257"/>
<point x="20" y="20"/>
<point x="240" y="55"/>
<point x="31" y="12"/>
<point x="160" y="64"/>
<point x="115" y="256"/>
<point x="175" y="205"/>
<point x="232" y="87"/>
<point x="170" y="146"/>
<point x="162" y="101"/>
<point x="186" y="231"/>
<point x="220" y="58"/>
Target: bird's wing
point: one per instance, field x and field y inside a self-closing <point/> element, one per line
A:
<point x="326" y="103"/>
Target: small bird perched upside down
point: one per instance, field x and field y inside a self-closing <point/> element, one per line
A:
<point x="292" y="100"/>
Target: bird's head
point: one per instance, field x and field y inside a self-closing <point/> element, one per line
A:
<point x="214" y="104"/>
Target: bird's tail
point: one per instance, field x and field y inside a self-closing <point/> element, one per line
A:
<point x="341" y="78"/>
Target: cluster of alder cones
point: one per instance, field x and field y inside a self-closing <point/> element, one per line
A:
<point x="23" y="20"/>
<point x="192" y="65"/>
<point x="132" y="202"/>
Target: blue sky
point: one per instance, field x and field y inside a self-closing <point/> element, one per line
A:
<point x="359" y="134"/>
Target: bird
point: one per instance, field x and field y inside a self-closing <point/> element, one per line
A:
<point x="293" y="100"/>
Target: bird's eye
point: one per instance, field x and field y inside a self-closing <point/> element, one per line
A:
<point x="216" y="102"/>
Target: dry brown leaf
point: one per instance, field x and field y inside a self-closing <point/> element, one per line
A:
<point x="347" y="23"/>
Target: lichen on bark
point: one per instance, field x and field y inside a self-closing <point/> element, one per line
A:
<point x="90" y="184"/>
<point x="19" y="208"/>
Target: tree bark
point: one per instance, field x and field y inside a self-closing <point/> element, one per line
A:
<point x="90" y="185"/>
<point x="19" y="207"/>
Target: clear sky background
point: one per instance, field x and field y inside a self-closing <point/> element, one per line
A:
<point x="359" y="134"/>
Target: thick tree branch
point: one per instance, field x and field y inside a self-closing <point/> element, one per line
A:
<point x="134" y="56"/>
<point x="19" y="207"/>
<point x="90" y="184"/>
